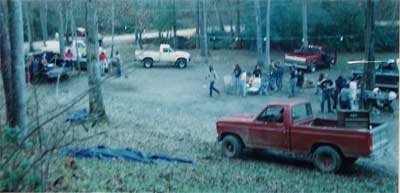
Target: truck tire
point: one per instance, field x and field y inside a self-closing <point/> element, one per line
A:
<point x="312" y="68"/>
<point x="231" y="146"/>
<point x="181" y="63"/>
<point x="327" y="159"/>
<point x="147" y="63"/>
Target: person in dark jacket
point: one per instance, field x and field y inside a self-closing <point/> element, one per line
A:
<point x="300" y="79"/>
<point x="280" y="74"/>
<point x="292" y="81"/>
<point x="237" y="71"/>
<point x="326" y="88"/>
<point x="257" y="72"/>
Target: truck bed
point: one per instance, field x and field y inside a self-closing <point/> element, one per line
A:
<point x="328" y="123"/>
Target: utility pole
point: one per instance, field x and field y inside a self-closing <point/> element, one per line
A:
<point x="268" y="34"/>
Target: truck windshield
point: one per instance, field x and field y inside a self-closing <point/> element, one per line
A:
<point x="301" y="112"/>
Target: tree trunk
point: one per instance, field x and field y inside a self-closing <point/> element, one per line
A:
<point x="28" y="22"/>
<point x="204" y="48"/>
<point x="305" y="27"/>
<point x="219" y="19"/>
<point x="96" y="105"/>
<point x="260" y="58"/>
<point x="6" y="68"/>
<point x="43" y="21"/>
<point x="174" y="23"/>
<point x="112" y="28"/>
<point x="61" y="29"/>
<point x="369" y="68"/>
<point x="73" y="28"/>
<point x="237" y="26"/>
<point x="198" y="23"/>
<point x="268" y="34"/>
<point x="18" y="63"/>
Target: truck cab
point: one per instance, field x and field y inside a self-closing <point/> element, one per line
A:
<point x="289" y="126"/>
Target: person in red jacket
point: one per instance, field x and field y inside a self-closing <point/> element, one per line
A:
<point x="68" y="58"/>
<point x="103" y="63"/>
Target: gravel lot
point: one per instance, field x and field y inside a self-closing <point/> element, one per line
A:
<point x="167" y="110"/>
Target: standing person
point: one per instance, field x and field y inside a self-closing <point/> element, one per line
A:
<point x="292" y="81"/>
<point x="339" y="83"/>
<point x="300" y="79"/>
<point x="68" y="58"/>
<point x="326" y="89"/>
<point x="237" y="71"/>
<point x="318" y="84"/>
<point x="274" y="77"/>
<point x="280" y="74"/>
<point x="344" y="97"/>
<point x="35" y="70"/>
<point x="118" y="63"/>
<point x="103" y="62"/>
<point x="353" y="88"/>
<point x="212" y="76"/>
<point x="257" y="71"/>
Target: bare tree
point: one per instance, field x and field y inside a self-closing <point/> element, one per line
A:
<point x="28" y="22"/>
<point x="369" y="68"/>
<point x="268" y="34"/>
<point x="218" y="15"/>
<point x="43" y="21"/>
<point x="61" y="29"/>
<point x="6" y="69"/>
<point x="260" y="58"/>
<point x="17" y="62"/>
<point x="305" y="27"/>
<point x="96" y="105"/>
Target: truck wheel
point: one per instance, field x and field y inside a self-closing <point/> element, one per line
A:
<point x="312" y="68"/>
<point x="231" y="146"/>
<point x="327" y="159"/>
<point x="148" y="63"/>
<point x="181" y="63"/>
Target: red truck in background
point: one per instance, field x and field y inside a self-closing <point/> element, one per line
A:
<point x="289" y="126"/>
<point x="310" y="58"/>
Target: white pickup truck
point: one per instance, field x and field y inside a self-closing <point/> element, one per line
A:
<point x="166" y="55"/>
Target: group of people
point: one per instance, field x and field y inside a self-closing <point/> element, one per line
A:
<point x="103" y="61"/>
<point x="341" y="91"/>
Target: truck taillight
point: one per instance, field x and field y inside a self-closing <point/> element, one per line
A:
<point x="370" y="143"/>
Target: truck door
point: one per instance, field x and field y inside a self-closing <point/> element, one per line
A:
<point x="166" y="55"/>
<point x="269" y="129"/>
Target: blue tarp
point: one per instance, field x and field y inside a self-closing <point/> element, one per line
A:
<point x="81" y="116"/>
<point x="102" y="152"/>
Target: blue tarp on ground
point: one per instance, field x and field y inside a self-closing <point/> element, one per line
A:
<point x="81" y="116"/>
<point x="102" y="152"/>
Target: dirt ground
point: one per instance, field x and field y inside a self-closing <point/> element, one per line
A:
<point x="167" y="110"/>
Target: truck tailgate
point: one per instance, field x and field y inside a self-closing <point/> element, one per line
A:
<point x="380" y="140"/>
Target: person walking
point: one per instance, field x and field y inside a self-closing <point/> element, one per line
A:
<point x="326" y="89"/>
<point x="237" y="71"/>
<point x="212" y="76"/>
<point x="292" y="81"/>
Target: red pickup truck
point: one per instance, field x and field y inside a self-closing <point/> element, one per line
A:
<point x="310" y="58"/>
<point x="290" y="126"/>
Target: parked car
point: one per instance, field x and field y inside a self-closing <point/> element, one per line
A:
<point x="386" y="74"/>
<point x="289" y="126"/>
<point x="310" y="58"/>
<point x="165" y="55"/>
<point x="50" y="65"/>
<point x="78" y="49"/>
